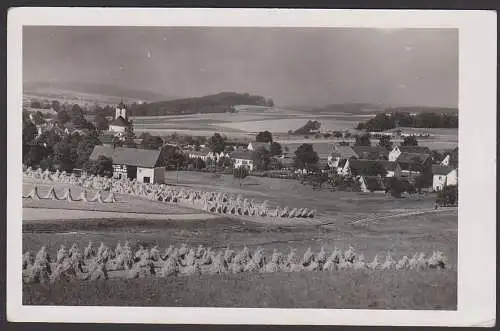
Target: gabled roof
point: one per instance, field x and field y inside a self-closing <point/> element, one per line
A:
<point x="413" y="158"/>
<point x="364" y="167"/>
<point x="119" y="121"/>
<point x="415" y="149"/>
<point x="441" y="170"/>
<point x="345" y="152"/>
<point x="374" y="183"/>
<point x="128" y="156"/>
<point x="242" y="155"/>
<point x="371" y="152"/>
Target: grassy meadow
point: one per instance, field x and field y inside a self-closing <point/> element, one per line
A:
<point x="246" y="124"/>
<point x="373" y="224"/>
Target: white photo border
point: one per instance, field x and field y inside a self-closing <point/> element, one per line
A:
<point x="477" y="144"/>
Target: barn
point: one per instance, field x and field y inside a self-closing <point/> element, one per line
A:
<point x="133" y="163"/>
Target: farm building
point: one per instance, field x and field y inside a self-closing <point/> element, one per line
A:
<point x="133" y="163"/>
<point x="340" y="153"/>
<point x="414" y="163"/>
<point x="443" y="176"/>
<point x="371" y="168"/>
<point x="243" y="159"/>
<point x="371" y="152"/>
<point x="397" y="150"/>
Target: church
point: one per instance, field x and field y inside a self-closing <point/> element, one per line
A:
<point x="121" y="122"/>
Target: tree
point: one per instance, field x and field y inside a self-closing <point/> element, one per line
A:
<point x="308" y="127"/>
<point x="240" y="173"/>
<point x="305" y="156"/>
<point x="38" y="118"/>
<point x="129" y="137"/>
<point x="275" y="149"/>
<point x="396" y="187"/>
<point x="337" y="134"/>
<point x="151" y="142"/>
<point x="29" y="131"/>
<point x="172" y="157"/>
<point x="65" y="153"/>
<point x="101" y="122"/>
<point x="375" y="169"/>
<point x="423" y="180"/>
<point x="409" y="141"/>
<point x="217" y="143"/>
<point x="264" y="137"/>
<point x="35" y="154"/>
<point x="363" y="140"/>
<point x="84" y="149"/>
<point x="270" y="103"/>
<point x="63" y="117"/>
<point x="448" y="196"/>
<point x="385" y="141"/>
<point x="199" y="164"/>
<point x="103" y="166"/>
<point x="56" y="106"/>
<point x="261" y="158"/>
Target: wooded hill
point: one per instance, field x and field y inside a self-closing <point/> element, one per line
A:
<point x="216" y="103"/>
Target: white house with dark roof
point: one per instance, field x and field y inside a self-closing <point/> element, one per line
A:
<point x="133" y="163"/>
<point x="443" y="176"/>
<point x="243" y="158"/>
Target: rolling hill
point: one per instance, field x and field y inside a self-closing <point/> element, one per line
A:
<point x="90" y="91"/>
<point x="215" y="103"/>
<point x="363" y="108"/>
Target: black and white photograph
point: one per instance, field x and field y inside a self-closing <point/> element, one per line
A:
<point x="220" y="166"/>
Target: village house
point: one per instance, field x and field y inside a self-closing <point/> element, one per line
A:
<point x="242" y="159"/>
<point x="443" y="176"/>
<point x="397" y="150"/>
<point x="133" y="163"/>
<point x="340" y="153"/>
<point x="414" y="163"/>
<point x="357" y="168"/>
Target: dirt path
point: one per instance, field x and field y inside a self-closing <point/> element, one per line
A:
<point x="43" y="214"/>
<point x="419" y="212"/>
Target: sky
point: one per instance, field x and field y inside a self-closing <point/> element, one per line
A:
<point x="293" y="66"/>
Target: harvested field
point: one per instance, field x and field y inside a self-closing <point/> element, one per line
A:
<point x="348" y="290"/>
<point x="371" y="223"/>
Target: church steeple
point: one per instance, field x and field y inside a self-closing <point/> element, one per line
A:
<point x="121" y="110"/>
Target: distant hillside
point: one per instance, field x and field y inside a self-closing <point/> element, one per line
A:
<point x="363" y="108"/>
<point x="216" y="103"/>
<point x="419" y="110"/>
<point x="90" y="91"/>
<point x="349" y="108"/>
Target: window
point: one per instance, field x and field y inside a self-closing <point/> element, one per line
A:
<point x="146" y="180"/>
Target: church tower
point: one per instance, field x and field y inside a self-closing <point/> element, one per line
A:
<point x="121" y="111"/>
<point x="121" y="122"/>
